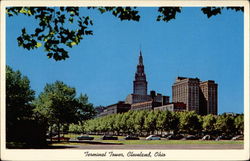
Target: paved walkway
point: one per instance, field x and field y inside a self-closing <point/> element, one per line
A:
<point x="165" y="146"/>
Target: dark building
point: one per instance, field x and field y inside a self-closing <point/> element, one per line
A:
<point x="119" y="107"/>
<point x="209" y="98"/>
<point x="155" y="101"/>
<point x="99" y="110"/>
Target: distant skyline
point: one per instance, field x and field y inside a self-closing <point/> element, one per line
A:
<point x="103" y="65"/>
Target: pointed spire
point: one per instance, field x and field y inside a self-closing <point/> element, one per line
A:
<point x="140" y="59"/>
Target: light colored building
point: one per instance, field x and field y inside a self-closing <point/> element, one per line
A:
<point x="186" y="90"/>
<point x="198" y="96"/>
<point x="148" y="105"/>
<point x="174" y="107"/>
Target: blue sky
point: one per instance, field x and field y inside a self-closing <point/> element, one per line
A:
<point x="103" y="65"/>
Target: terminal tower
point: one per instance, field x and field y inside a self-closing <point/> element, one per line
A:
<point x="140" y="83"/>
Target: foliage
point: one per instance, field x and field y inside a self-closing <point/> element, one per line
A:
<point x="239" y="123"/>
<point x="225" y="124"/>
<point x="18" y="96"/>
<point x="213" y="11"/>
<point x="85" y="110"/>
<point x="59" y="106"/>
<point x="61" y="28"/>
<point x="21" y="125"/>
<point x="144" y="122"/>
<point x="57" y="103"/>
<point x="208" y="123"/>
<point x="150" y="121"/>
<point x="189" y="122"/>
<point x="53" y="31"/>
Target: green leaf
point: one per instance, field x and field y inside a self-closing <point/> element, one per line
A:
<point x="38" y="44"/>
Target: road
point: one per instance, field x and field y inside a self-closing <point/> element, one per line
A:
<point x="161" y="146"/>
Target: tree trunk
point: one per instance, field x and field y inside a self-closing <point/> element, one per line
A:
<point x="58" y="131"/>
<point x="50" y="133"/>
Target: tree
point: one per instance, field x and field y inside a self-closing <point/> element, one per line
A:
<point x="139" y="120"/>
<point x="161" y="121"/>
<point x="21" y="124"/>
<point x="225" y="124"/>
<point x="85" y="110"/>
<point x="189" y="122"/>
<point x="18" y="96"/>
<point x="58" y="105"/>
<point x="209" y="123"/>
<point x="57" y="38"/>
<point x="18" y="102"/>
<point x="150" y="122"/>
<point x="239" y="123"/>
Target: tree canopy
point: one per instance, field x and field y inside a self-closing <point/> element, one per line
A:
<point x="18" y="96"/>
<point x="58" y="105"/>
<point x="145" y="122"/>
<point x="60" y="28"/>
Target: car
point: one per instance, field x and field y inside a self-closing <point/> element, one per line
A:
<point x="223" y="137"/>
<point x="131" y="137"/>
<point x="109" y="137"/>
<point x="238" y="137"/>
<point x="85" y="137"/>
<point x="190" y="137"/>
<point x="61" y="138"/>
<point x="174" y="137"/>
<point x="153" y="137"/>
<point x="206" y="137"/>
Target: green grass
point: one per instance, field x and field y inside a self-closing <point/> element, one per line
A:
<point x="171" y="142"/>
<point x="97" y="138"/>
<point x="143" y="142"/>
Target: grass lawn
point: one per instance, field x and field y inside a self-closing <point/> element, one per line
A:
<point x="142" y="140"/>
<point x="138" y="142"/>
<point x="171" y="142"/>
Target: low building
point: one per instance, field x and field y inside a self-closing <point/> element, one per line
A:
<point x="174" y="107"/>
<point x="119" y="107"/>
<point x="148" y="105"/>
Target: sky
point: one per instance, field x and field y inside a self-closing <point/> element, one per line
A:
<point x="103" y="65"/>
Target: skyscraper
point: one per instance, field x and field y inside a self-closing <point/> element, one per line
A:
<point x="198" y="96"/>
<point x="209" y="97"/>
<point x="186" y="90"/>
<point x="140" y="83"/>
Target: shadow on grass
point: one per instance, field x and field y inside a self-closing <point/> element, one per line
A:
<point x="62" y="145"/>
<point x="95" y="142"/>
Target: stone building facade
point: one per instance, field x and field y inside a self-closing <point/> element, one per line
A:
<point x="198" y="96"/>
<point x="140" y="87"/>
<point x="188" y="94"/>
<point x="186" y="90"/>
<point x="174" y="107"/>
<point x="148" y="105"/>
<point x="119" y="107"/>
<point x="209" y="97"/>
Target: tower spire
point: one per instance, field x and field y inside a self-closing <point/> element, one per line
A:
<point x="140" y="58"/>
<point x="140" y="82"/>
